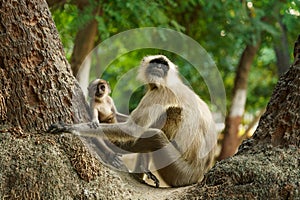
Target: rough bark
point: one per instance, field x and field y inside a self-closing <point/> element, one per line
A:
<point x="233" y="120"/>
<point x="37" y="90"/>
<point x="37" y="87"/>
<point x="282" y="117"/>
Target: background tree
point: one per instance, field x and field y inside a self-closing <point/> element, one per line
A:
<point x="231" y="32"/>
<point x="237" y="25"/>
<point x="37" y="89"/>
<point x="97" y="20"/>
<point x="263" y="26"/>
<point x="234" y="117"/>
<point x="266" y="166"/>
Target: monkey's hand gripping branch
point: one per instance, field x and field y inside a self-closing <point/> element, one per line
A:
<point x="107" y="157"/>
<point x="60" y="128"/>
<point x="84" y="129"/>
<point x="75" y="129"/>
<point x="117" y="132"/>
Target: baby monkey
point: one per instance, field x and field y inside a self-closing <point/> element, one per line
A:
<point x="103" y="110"/>
<point x="102" y="106"/>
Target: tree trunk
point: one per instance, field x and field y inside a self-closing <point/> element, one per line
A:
<point x="37" y="87"/>
<point x="84" y="43"/>
<point x="83" y="75"/>
<point x="37" y="90"/>
<point x="233" y="119"/>
<point x="282" y="52"/>
<point x="280" y="125"/>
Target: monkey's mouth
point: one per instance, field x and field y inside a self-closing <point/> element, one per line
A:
<point x="156" y="72"/>
<point x="99" y="94"/>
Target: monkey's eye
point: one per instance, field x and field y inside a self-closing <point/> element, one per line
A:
<point x="160" y="61"/>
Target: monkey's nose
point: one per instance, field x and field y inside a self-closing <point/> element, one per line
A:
<point x="159" y="66"/>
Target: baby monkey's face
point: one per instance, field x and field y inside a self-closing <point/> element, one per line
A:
<point x="99" y="88"/>
<point x="102" y="89"/>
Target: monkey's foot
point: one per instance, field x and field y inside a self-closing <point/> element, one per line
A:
<point x="115" y="161"/>
<point x="153" y="177"/>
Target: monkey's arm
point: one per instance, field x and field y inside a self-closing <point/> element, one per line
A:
<point x="128" y="130"/>
<point x="121" y="117"/>
<point x="118" y="131"/>
<point x="93" y="112"/>
<point x="95" y="115"/>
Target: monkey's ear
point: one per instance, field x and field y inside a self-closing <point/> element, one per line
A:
<point x="90" y="91"/>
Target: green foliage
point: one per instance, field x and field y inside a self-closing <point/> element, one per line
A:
<point x="222" y="27"/>
<point x="123" y="15"/>
<point x="262" y="80"/>
<point x="65" y="21"/>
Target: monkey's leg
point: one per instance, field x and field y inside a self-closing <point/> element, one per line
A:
<point x="181" y="173"/>
<point x="106" y="154"/>
<point x="154" y="143"/>
<point x="142" y="167"/>
<point x="152" y="140"/>
<point x="177" y="170"/>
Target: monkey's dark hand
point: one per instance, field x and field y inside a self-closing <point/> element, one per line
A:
<point x="59" y="128"/>
<point x="94" y="125"/>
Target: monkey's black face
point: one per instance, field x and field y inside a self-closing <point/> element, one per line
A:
<point x="101" y="90"/>
<point x="158" y="67"/>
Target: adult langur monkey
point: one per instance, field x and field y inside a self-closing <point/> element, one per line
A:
<point x="171" y="124"/>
